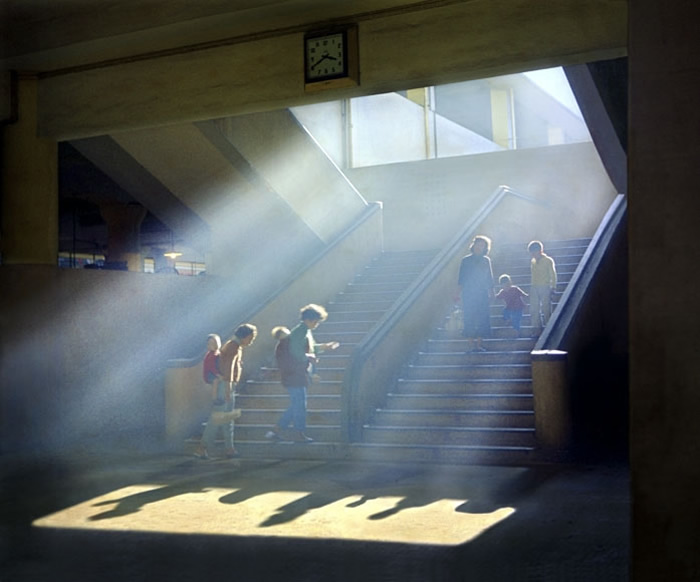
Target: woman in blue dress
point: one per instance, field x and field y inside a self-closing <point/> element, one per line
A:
<point x="476" y="290"/>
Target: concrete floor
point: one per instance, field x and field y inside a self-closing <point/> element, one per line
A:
<point x="168" y="517"/>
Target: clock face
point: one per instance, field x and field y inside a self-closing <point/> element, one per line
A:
<point x="326" y="57"/>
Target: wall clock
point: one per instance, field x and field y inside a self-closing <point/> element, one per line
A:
<point x="331" y="59"/>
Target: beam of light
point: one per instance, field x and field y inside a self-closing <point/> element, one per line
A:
<point x="147" y="508"/>
<point x="554" y="82"/>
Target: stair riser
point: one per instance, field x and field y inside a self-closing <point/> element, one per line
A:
<point x="520" y="274"/>
<point x="278" y="401"/>
<point x="461" y="345"/>
<point x="468" y="372"/>
<point x="317" y="451"/>
<point x="349" y="337"/>
<point x="389" y="272"/>
<point x="457" y="359"/>
<point x="326" y="374"/>
<point x="270" y="416"/>
<point x="441" y="455"/>
<point x="449" y="402"/>
<point x="332" y="327"/>
<point x="408" y="387"/>
<point x="393" y="287"/>
<point x="338" y="316"/>
<point x="497" y="333"/>
<point x="244" y="433"/>
<point x="465" y="437"/>
<point x="454" y="419"/>
<point x="271" y="385"/>
<point x="348" y="303"/>
<point x="404" y="257"/>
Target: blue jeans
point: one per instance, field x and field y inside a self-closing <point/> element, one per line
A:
<point x="515" y="316"/>
<point x="296" y="412"/>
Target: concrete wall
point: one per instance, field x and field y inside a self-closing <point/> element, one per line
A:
<point x="84" y="352"/>
<point x="426" y="202"/>
<point x="288" y="159"/>
<point x="664" y="147"/>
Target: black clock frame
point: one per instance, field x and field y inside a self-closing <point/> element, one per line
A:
<point x="349" y="76"/>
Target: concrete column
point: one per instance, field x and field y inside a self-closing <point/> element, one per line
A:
<point x="553" y="422"/>
<point x="123" y="232"/>
<point x="664" y="148"/>
<point x="29" y="186"/>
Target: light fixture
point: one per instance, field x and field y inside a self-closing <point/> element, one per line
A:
<point x="172" y="253"/>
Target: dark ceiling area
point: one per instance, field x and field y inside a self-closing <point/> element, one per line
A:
<point x="83" y="189"/>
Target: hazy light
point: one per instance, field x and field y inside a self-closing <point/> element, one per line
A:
<point x="554" y="82"/>
<point x="296" y="514"/>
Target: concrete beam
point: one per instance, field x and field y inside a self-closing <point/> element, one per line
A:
<point x="443" y="42"/>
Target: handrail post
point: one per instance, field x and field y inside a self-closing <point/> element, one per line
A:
<point x="553" y="414"/>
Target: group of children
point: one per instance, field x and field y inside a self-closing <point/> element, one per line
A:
<point x="296" y="353"/>
<point x="543" y="281"/>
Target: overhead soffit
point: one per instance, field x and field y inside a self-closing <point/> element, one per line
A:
<point x="62" y="34"/>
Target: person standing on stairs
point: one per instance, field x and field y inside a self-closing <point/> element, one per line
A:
<point x="475" y="283"/>
<point x="296" y="353"/>
<point x="543" y="282"/>
<point x="512" y="296"/>
<point x="231" y="368"/>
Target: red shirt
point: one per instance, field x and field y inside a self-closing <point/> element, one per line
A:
<point x="210" y="367"/>
<point x="513" y="296"/>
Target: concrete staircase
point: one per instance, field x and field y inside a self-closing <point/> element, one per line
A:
<point x="447" y="406"/>
<point x="453" y="406"/>
<point x="351" y="315"/>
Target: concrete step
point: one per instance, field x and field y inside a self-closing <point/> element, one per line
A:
<point x="281" y="400"/>
<point x="467" y="358"/>
<point x="389" y="286"/>
<point x="434" y="435"/>
<point x="443" y="387"/>
<point x="459" y="344"/>
<point x="349" y="303"/>
<point x="379" y="276"/>
<point x="332" y="326"/>
<point x="497" y="333"/>
<point x="520" y="273"/>
<point x="269" y="416"/>
<point x="450" y="401"/>
<point x="390" y="271"/>
<point x="455" y="418"/>
<point x="273" y="386"/>
<point x="404" y="257"/>
<point x="469" y="372"/>
<point x="323" y="369"/>
<point x="378" y="453"/>
<point x="345" y="338"/>
<point x="444" y="454"/>
<point x="319" y="432"/>
<point x="337" y="316"/>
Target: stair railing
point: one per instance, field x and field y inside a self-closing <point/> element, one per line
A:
<point x="322" y="276"/>
<point x="581" y="318"/>
<point x="382" y="352"/>
<point x="559" y="328"/>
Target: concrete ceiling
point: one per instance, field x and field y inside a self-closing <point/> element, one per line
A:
<point x="41" y="36"/>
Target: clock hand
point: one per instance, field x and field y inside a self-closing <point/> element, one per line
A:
<point x="319" y="61"/>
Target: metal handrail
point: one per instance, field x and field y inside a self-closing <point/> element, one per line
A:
<point x="249" y="313"/>
<point x="389" y="320"/>
<point x="560" y="323"/>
